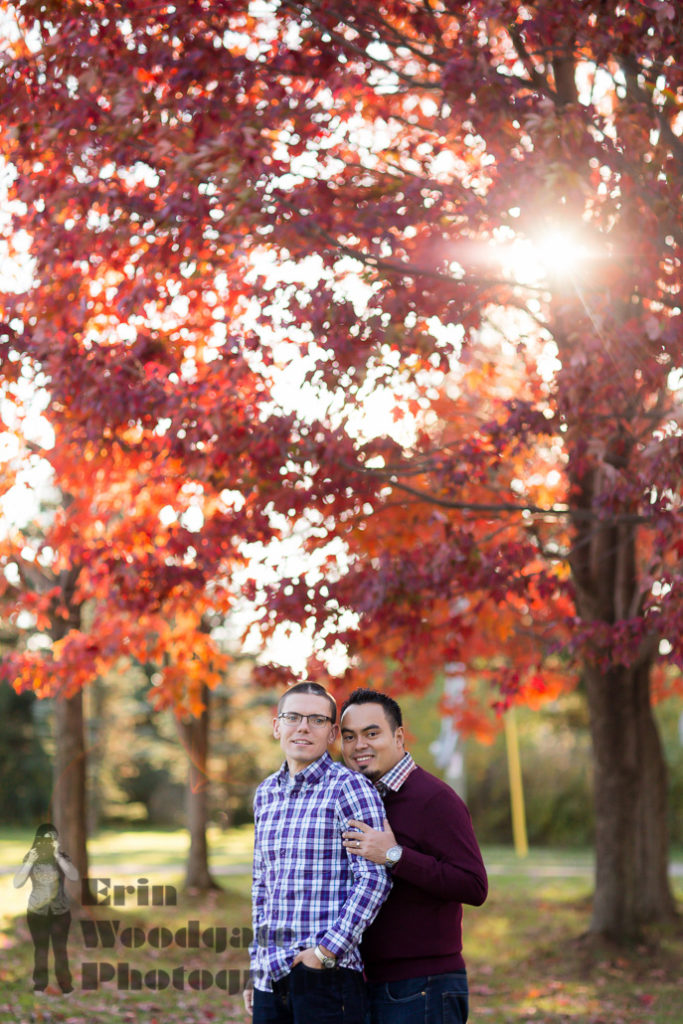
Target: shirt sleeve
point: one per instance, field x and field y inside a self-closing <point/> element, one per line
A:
<point x="360" y="801"/>
<point x="257" y="889"/>
<point x="449" y="864"/>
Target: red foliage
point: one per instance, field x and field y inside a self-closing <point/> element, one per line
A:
<point x="384" y="157"/>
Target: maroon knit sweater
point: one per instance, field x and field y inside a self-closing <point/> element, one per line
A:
<point x="418" y="930"/>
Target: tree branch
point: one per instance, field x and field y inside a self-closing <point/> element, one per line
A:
<point x="631" y="71"/>
<point x="349" y="45"/>
<point x="509" y="507"/>
<point x="535" y="79"/>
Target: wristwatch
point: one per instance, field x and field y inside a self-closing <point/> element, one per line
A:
<point x="326" y="961"/>
<point x="393" y="856"/>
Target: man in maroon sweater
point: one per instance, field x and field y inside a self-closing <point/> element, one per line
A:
<point x="412" y="952"/>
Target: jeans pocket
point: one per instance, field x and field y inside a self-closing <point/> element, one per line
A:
<point x="408" y="990"/>
<point x="312" y="970"/>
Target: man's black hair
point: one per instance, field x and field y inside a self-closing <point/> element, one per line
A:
<point x="366" y="696"/>
<point x="308" y="687"/>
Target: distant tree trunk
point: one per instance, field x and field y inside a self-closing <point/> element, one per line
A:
<point x="94" y="729"/>
<point x="195" y="735"/>
<point x="68" y="795"/>
<point x="631" y="843"/>
<point x="69" y="807"/>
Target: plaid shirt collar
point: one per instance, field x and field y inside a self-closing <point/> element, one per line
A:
<point x="309" y="775"/>
<point x="396" y="776"/>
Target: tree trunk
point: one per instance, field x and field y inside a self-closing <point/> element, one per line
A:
<point x="69" y="807"/>
<point x="95" y="711"/>
<point x="631" y="843"/>
<point x="195" y="735"/>
<point x="68" y="795"/>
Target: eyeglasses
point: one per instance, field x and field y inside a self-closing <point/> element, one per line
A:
<point x="294" y="718"/>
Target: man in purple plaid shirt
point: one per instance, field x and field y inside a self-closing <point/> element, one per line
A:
<point x="311" y="900"/>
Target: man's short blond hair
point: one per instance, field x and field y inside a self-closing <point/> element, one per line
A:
<point x="309" y="687"/>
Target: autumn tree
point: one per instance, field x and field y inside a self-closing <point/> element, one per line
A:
<point x="211" y="189"/>
<point x="77" y="583"/>
<point x="120" y="564"/>
<point x="456" y="145"/>
<point x="163" y="439"/>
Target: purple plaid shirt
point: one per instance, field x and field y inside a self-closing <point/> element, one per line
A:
<point x="307" y="890"/>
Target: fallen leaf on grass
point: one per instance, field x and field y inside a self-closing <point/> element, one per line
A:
<point x="482" y="990"/>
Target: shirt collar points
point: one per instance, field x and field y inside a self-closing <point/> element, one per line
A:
<point x="310" y="775"/>
<point x="396" y="776"/>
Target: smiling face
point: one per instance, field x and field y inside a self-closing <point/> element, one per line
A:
<point x="304" y="743"/>
<point x="369" y="744"/>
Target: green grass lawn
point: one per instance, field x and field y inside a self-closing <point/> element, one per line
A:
<point x="529" y="959"/>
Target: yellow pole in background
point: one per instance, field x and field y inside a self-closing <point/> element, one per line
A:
<point x="516" y="787"/>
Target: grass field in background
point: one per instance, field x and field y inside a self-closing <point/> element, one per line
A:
<point x="529" y="959"/>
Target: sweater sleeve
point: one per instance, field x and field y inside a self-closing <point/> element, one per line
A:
<point x="448" y="864"/>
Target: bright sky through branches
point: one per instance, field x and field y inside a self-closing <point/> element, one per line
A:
<point x="555" y="254"/>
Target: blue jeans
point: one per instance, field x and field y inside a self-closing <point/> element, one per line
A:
<point x="437" y="999"/>
<point x="310" y="996"/>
